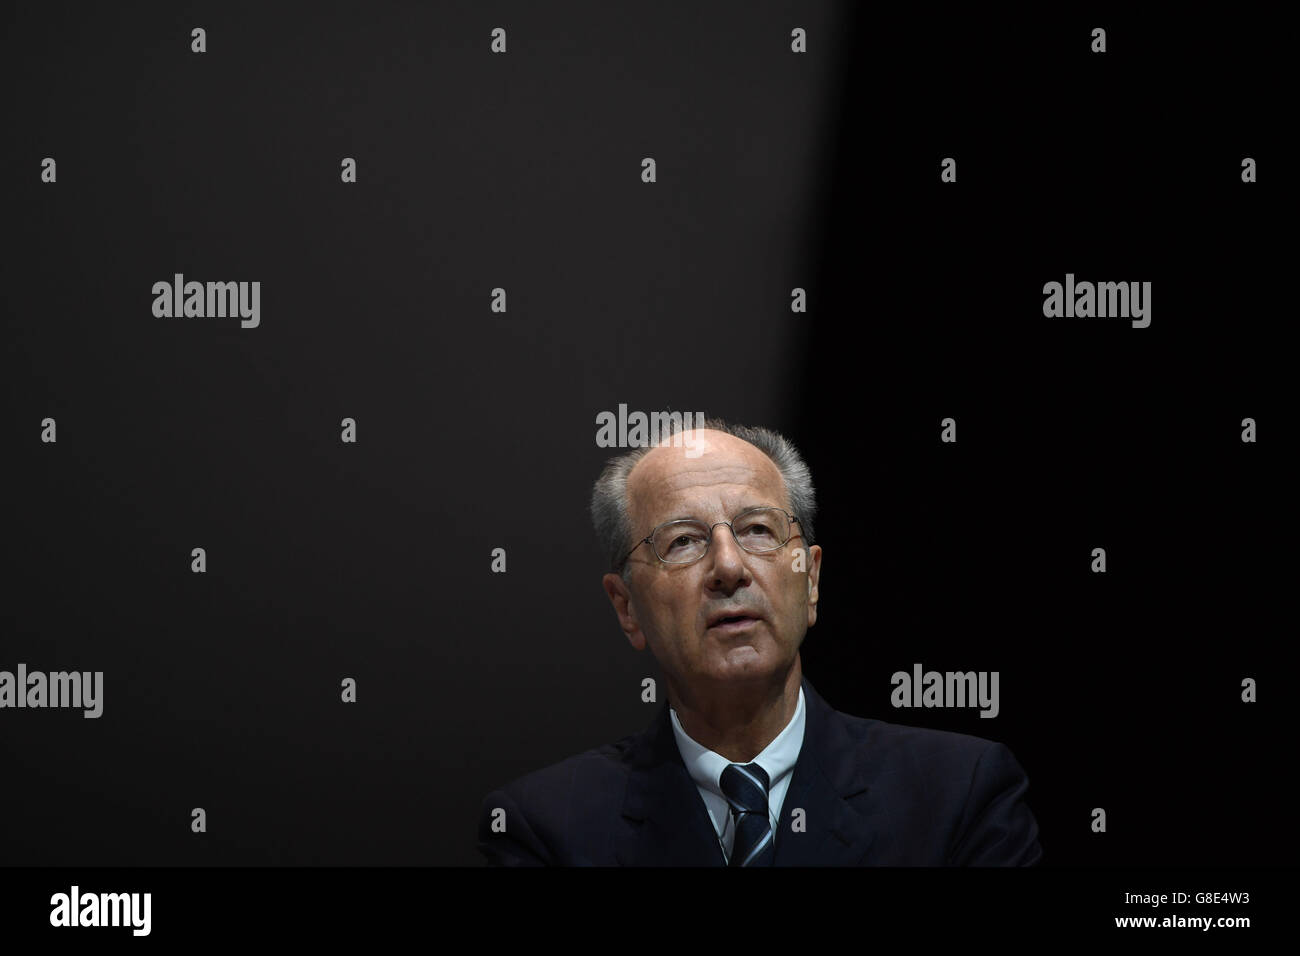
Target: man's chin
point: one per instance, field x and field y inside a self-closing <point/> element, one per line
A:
<point x="741" y="662"/>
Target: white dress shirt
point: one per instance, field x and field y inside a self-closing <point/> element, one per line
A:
<point x="705" y="767"/>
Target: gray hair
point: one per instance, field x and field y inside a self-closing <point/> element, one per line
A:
<point x="609" y="496"/>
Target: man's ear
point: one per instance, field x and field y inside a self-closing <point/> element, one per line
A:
<point x="621" y="598"/>
<point x="814" y="579"/>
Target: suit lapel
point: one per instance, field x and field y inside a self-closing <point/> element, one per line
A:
<point x="665" y="820"/>
<point x="830" y="787"/>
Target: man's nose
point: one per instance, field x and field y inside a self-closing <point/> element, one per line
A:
<point x="728" y="568"/>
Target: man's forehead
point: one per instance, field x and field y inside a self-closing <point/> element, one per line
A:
<point x="729" y="472"/>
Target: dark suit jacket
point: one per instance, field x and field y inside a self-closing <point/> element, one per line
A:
<point x="873" y="794"/>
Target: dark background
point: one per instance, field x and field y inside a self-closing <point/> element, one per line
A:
<point x="476" y="429"/>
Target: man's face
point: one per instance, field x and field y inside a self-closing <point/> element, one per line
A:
<point x="675" y="609"/>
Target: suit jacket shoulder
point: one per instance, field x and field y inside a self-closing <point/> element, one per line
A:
<point x="942" y="798"/>
<point x="548" y="816"/>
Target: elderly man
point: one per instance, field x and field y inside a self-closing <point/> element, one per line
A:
<point x="714" y="569"/>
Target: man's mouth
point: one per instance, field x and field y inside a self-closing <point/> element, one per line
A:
<point x="732" y="623"/>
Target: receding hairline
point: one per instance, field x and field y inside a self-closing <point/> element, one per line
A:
<point x="676" y="440"/>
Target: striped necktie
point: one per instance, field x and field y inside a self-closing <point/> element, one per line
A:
<point x="745" y="787"/>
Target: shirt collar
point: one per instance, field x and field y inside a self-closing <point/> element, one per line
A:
<point x="777" y="758"/>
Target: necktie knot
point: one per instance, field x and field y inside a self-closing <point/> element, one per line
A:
<point x="745" y="787"/>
